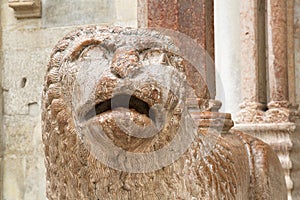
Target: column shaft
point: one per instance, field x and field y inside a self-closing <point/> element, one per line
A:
<point x="253" y="61"/>
<point x="277" y="50"/>
<point x="252" y="51"/>
<point x="195" y="19"/>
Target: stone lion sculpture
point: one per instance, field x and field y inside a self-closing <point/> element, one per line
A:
<point x="126" y="117"/>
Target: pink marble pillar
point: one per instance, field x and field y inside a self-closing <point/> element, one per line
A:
<point x="195" y="19"/>
<point x="279" y="105"/>
<point x="252" y="61"/>
<point x="277" y="49"/>
<point x="291" y="52"/>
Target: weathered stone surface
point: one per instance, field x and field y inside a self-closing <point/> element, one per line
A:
<point x="126" y="13"/>
<point x="297" y="48"/>
<point x="63" y="13"/>
<point x="22" y="82"/>
<point x="92" y="72"/>
<point x="279" y="136"/>
<point x="277" y="49"/>
<point x="23" y="158"/>
<point x="34" y="173"/>
<point x="22" y="141"/>
<point x="14" y="178"/>
<point x="291" y="52"/>
<point x="253" y="74"/>
<point x="194" y="19"/>
<point x="22" y="175"/>
<point x="8" y="20"/>
<point x="19" y="38"/>
<point x="25" y="47"/>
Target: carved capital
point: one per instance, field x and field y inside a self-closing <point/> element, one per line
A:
<point x="26" y="8"/>
<point x="277" y="112"/>
<point x="251" y="112"/>
<point x="280" y="111"/>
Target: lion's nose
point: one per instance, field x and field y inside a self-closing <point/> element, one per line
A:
<point x="125" y="62"/>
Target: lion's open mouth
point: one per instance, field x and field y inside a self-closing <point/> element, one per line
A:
<point x="122" y="101"/>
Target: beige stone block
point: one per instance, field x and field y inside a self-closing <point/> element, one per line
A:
<point x="24" y="178"/>
<point x="57" y="13"/>
<point x="13" y="180"/>
<point x="35" y="180"/>
<point x="22" y="135"/>
<point x="23" y="79"/>
<point x="33" y="38"/>
<point x="126" y="10"/>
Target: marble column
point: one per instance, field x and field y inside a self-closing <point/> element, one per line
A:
<point x="277" y="29"/>
<point x="277" y="49"/>
<point x="290" y="52"/>
<point x="194" y="19"/>
<point x="253" y="62"/>
<point x="227" y="55"/>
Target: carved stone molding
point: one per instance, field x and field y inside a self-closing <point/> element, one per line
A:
<point x="26" y="8"/>
<point x="278" y="112"/>
<point x="279" y="137"/>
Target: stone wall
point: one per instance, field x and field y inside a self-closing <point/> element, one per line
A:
<point x="26" y="47"/>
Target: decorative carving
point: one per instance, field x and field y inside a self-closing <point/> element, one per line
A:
<point x="279" y="137"/>
<point x="251" y="112"/>
<point x="278" y="112"/>
<point x="26" y="8"/>
<point x="124" y="117"/>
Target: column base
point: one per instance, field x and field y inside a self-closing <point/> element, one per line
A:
<point x="251" y="112"/>
<point x="277" y="112"/>
<point x="280" y="112"/>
